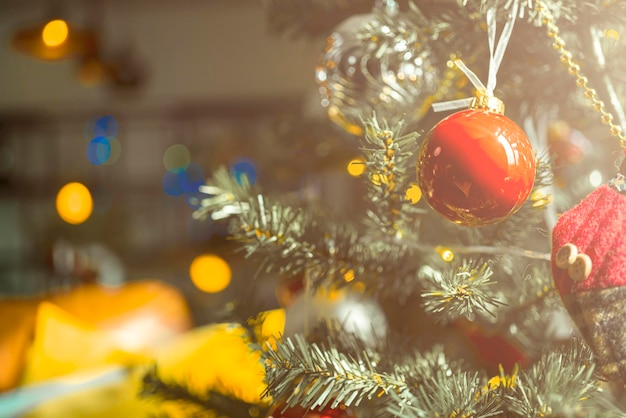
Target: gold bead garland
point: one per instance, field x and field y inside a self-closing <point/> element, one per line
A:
<point x="574" y="69"/>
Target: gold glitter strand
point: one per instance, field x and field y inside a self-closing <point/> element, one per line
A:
<point x="574" y="69"/>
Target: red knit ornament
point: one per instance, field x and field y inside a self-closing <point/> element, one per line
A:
<point x="589" y="271"/>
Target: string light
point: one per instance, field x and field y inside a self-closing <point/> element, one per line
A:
<point x="413" y="194"/>
<point x="445" y="253"/>
<point x="74" y="203"/>
<point x="210" y="273"/>
<point x="356" y="167"/>
<point x="55" y="33"/>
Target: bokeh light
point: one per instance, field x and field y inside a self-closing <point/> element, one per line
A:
<point x="356" y="167"/>
<point x="210" y="273"/>
<point x="170" y="184"/>
<point x="413" y="194"/>
<point x="106" y="126"/>
<point x="98" y="150"/>
<point x="595" y="178"/>
<point x="445" y="253"/>
<point x="55" y="33"/>
<point x="74" y="203"/>
<point x="243" y="167"/>
<point x="103" y="148"/>
<point x="192" y="178"/>
<point x="176" y="158"/>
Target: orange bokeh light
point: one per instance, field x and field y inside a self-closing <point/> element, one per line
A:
<point x="55" y="33"/>
<point x="210" y="273"/>
<point x="74" y="203"/>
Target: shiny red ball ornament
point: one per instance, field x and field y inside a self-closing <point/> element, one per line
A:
<point x="279" y="411"/>
<point x="476" y="167"/>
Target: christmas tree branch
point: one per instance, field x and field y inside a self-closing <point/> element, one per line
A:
<point x="154" y="387"/>
<point x="463" y="291"/>
<point x="559" y="384"/>
<point x="569" y="10"/>
<point x="275" y="231"/>
<point x="388" y="158"/>
<point x="225" y="196"/>
<point x="311" y="375"/>
<point x="289" y="238"/>
<point x="456" y="395"/>
<point x="440" y="387"/>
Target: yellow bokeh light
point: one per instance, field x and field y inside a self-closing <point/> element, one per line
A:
<point x="74" y="203"/>
<point x="413" y="194"/>
<point x="55" y="33"/>
<point x="445" y="253"/>
<point x="210" y="273"/>
<point x="356" y="167"/>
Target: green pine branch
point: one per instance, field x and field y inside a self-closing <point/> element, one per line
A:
<point x="465" y="290"/>
<point x="390" y="161"/>
<point x="154" y="387"/>
<point x="312" y="375"/>
<point x="561" y="383"/>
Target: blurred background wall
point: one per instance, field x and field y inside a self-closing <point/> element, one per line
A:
<point x="202" y="73"/>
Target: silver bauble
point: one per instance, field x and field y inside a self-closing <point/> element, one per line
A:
<point x="370" y="65"/>
<point x="356" y="313"/>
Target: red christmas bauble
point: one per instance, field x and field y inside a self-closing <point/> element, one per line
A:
<point x="476" y="167"/>
<point x="297" y="412"/>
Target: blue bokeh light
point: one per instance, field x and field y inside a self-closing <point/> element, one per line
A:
<point x="191" y="179"/>
<point x="170" y="184"/>
<point x="243" y="167"/>
<point x="98" y="150"/>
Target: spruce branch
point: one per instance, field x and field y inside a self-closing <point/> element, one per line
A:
<point x="289" y="238"/>
<point x="154" y="387"/>
<point x="462" y="291"/>
<point x="456" y="395"/>
<point x="569" y="10"/>
<point x="390" y="164"/>
<point x="275" y="231"/>
<point x="559" y="384"/>
<point x="225" y="196"/>
<point x="441" y="388"/>
<point x="311" y="375"/>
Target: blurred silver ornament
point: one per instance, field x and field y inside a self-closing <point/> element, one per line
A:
<point x="353" y="311"/>
<point x="378" y="62"/>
